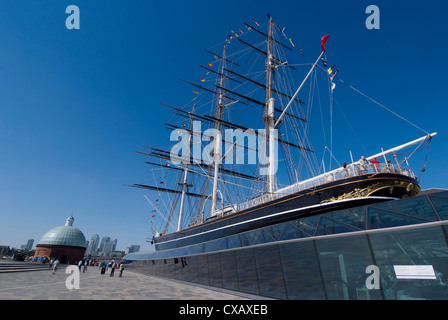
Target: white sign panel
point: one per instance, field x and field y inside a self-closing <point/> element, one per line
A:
<point x="415" y="272"/>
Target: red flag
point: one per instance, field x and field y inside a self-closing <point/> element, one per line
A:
<point x="324" y="41"/>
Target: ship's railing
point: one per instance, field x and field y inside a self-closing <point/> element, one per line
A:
<point x="335" y="175"/>
<point x="343" y="173"/>
<point x="256" y="201"/>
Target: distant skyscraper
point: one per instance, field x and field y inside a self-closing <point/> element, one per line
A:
<point x="93" y="244"/>
<point x="114" y="244"/>
<point x="132" y="248"/>
<point x="28" y="245"/>
<point x="104" y="240"/>
<point x="108" y="245"/>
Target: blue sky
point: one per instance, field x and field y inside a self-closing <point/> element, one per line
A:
<point x="76" y="104"/>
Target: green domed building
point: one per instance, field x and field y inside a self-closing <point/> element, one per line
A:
<point x="65" y="243"/>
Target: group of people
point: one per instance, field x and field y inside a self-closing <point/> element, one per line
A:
<point x="53" y="264"/>
<point x="112" y="265"/>
<point x="363" y="167"/>
<point x="82" y="264"/>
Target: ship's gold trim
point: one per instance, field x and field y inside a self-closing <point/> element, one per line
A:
<point x="368" y="191"/>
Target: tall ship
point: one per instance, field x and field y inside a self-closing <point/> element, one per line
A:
<point x="240" y="156"/>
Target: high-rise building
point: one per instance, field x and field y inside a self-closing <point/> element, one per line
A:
<point x="92" y="248"/>
<point x="28" y="245"/>
<point x="114" y="244"/>
<point x="107" y="245"/>
<point x="104" y="240"/>
<point x="132" y="248"/>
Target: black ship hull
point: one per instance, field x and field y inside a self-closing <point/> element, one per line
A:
<point x="336" y="195"/>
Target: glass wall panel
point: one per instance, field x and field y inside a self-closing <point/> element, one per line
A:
<point x="167" y="269"/>
<point x="171" y="267"/>
<point x="212" y="246"/>
<point x="164" y="271"/>
<point x="244" y="239"/>
<point x="234" y="241"/>
<point x="153" y="267"/>
<point x="275" y="231"/>
<point x="378" y="219"/>
<point x="441" y="205"/>
<point x="214" y="267"/>
<point x="247" y="272"/>
<point x="270" y="273"/>
<point x="150" y="267"/>
<point x="185" y="271"/>
<point x="354" y="217"/>
<point x="291" y="232"/>
<point x="260" y="236"/>
<point x="307" y="225"/>
<point x="301" y="271"/>
<point x="192" y="262"/>
<point x="229" y="272"/>
<point x="443" y="194"/>
<point x="224" y="243"/>
<point x="408" y="248"/>
<point x="331" y="226"/>
<point x="343" y="263"/>
<point x="203" y="274"/>
<point x="195" y="249"/>
<point x="418" y="206"/>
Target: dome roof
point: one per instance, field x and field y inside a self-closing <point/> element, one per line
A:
<point x="66" y="235"/>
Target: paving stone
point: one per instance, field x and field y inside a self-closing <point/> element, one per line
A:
<point x="43" y="285"/>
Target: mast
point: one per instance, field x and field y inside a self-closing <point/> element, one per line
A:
<point x="269" y="114"/>
<point x="184" y="186"/>
<point x="298" y="90"/>
<point x="218" y="140"/>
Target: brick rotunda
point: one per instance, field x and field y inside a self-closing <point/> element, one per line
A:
<point x="65" y="243"/>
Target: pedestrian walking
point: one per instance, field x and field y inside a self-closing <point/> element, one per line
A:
<point x="112" y="269"/>
<point x="86" y="263"/>
<point x="55" y="266"/>
<point x="121" y="269"/>
<point x="103" y="267"/>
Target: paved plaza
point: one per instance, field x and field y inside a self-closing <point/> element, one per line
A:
<point x="43" y="285"/>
